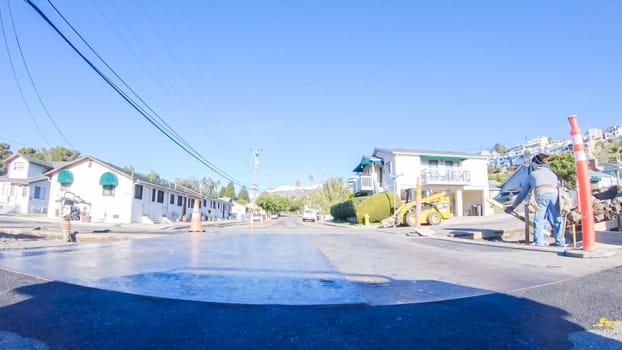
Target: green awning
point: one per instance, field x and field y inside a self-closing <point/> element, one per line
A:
<point x="365" y="162"/>
<point x="444" y="157"/>
<point x="108" y="179"/>
<point x="65" y="177"/>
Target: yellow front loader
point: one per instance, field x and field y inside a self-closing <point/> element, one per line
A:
<point x="434" y="209"/>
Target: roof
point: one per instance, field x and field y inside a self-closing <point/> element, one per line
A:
<point x="430" y="153"/>
<point x="21" y="181"/>
<point x="139" y="178"/>
<point x="609" y="167"/>
<point x="33" y="160"/>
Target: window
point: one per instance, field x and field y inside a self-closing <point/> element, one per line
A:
<point x="65" y="187"/>
<point x="25" y="191"/>
<point x="5" y="189"/>
<point x="18" y="165"/>
<point x="179" y="199"/>
<point x="108" y="190"/>
<point x="172" y="201"/>
<point x="160" y="196"/>
<point x="153" y="194"/>
<point x="433" y="163"/>
<point x="39" y="192"/>
<point x="138" y="191"/>
<point x="449" y="163"/>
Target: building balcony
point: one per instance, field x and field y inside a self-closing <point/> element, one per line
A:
<point x="364" y="183"/>
<point x="451" y="176"/>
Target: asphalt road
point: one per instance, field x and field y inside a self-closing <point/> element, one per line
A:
<point x="41" y="314"/>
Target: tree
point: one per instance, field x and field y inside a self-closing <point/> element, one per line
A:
<point x="272" y="202"/>
<point x="243" y="197"/>
<point x="229" y="191"/>
<point x="208" y="186"/>
<point x="5" y="153"/>
<point x="153" y="176"/>
<point x="298" y="183"/>
<point x="190" y="183"/>
<point x="31" y="152"/>
<point x="609" y="151"/>
<point x="60" y="154"/>
<point x="332" y="192"/>
<point x="311" y="178"/>
<point x="499" y="148"/>
<point x="129" y="169"/>
<point x="564" y="165"/>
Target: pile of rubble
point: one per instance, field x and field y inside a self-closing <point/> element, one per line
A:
<point x="607" y="205"/>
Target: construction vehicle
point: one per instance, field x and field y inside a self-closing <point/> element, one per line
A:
<point x="434" y="209"/>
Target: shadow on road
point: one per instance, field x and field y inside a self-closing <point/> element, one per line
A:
<point x="71" y="317"/>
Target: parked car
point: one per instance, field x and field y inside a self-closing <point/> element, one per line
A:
<point x="274" y="215"/>
<point x="309" y="215"/>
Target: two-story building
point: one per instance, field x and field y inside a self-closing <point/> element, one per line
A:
<point x="24" y="189"/>
<point x="108" y="193"/>
<point x="397" y="170"/>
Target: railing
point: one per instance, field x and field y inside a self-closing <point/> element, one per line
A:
<point x="363" y="183"/>
<point x="445" y="177"/>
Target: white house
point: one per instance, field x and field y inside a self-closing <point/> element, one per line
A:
<point x="397" y="170"/>
<point x="110" y="194"/>
<point x="24" y="189"/>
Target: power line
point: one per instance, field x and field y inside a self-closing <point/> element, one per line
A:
<point x="161" y="124"/>
<point x="19" y="86"/>
<point x="32" y="83"/>
<point x="175" y="138"/>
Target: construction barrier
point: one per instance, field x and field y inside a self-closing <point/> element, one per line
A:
<point x="195" y="224"/>
<point x="65" y="228"/>
<point x="418" y="205"/>
<point x="584" y="190"/>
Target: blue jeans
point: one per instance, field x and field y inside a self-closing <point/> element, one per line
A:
<point x="548" y="208"/>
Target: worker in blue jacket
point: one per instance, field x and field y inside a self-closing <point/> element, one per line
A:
<point x="542" y="181"/>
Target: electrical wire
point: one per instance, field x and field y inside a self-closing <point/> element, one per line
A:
<point x="132" y="51"/>
<point x="32" y="83"/>
<point x="173" y="57"/>
<point x="19" y="86"/>
<point x="177" y="140"/>
<point x="161" y="122"/>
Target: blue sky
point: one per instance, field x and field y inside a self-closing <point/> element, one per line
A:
<point x="314" y="84"/>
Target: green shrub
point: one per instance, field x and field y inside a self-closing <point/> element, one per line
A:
<point x="347" y="209"/>
<point x="378" y="206"/>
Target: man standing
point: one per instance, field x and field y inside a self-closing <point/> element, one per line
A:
<point x="542" y="181"/>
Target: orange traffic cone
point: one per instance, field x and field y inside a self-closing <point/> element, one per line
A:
<point x="196" y="225"/>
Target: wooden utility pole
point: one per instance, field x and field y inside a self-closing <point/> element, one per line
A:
<point x="255" y="165"/>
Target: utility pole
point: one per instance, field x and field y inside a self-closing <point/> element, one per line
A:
<point x="255" y="165"/>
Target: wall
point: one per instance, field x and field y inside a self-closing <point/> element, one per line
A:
<point x="86" y="175"/>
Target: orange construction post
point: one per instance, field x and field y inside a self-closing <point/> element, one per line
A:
<point x="65" y="227"/>
<point x="196" y="225"/>
<point x="418" y="205"/>
<point x="584" y="192"/>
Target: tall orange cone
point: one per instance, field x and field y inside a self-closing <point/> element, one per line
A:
<point x="196" y="225"/>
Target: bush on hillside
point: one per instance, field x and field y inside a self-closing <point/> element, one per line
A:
<point x="347" y="209"/>
<point x="378" y="206"/>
